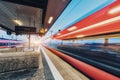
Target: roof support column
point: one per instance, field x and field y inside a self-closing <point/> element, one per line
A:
<point x="106" y="41"/>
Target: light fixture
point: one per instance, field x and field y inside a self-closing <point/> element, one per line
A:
<point x="79" y="36"/>
<point x="109" y="21"/>
<point x="114" y="10"/>
<point x="18" y="22"/>
<point x="50" y="20"/>
<point x="45" y="30"/>
<point x="72" y="28"/>
<point x="58" y="34"/>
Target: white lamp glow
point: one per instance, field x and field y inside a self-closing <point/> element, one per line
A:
<point x="72" y="28"/>
<point x="50" y="20"/>
<point x="79" y="36"/>
<point x="114" y="10"/>
<point x="18" y="22"/>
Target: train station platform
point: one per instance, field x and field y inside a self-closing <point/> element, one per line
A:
<point x="51" y="67"/>
<point x="61" y="70"/>
<point x="45" y="63"/>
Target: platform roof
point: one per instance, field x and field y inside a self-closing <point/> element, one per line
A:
<point x="31" y="13"/>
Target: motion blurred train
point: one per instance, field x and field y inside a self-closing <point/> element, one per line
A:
<point x="8" y="43"/>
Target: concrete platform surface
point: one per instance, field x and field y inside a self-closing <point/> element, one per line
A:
<point x="65" y="69"/>
<point x="23" y="74"/>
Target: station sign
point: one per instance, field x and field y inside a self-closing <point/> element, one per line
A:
<point x="42" y="30"/>
<point x="25" y="30"/>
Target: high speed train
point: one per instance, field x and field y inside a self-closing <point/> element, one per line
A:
<point x="8" y="43"/>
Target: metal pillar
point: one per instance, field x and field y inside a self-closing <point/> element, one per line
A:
<point x="106" y="41"/>
<point x="29" y="41"/>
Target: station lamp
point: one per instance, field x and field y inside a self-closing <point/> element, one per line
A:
<point x="50" y="20"/>
<point x="115" y="10"/>
<point x="72" y="28"/>
<point x="45" y="30"/>
<point x="18" y="22"/>
<point x="58" y="34"/>
<point x="79" y="36"/>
